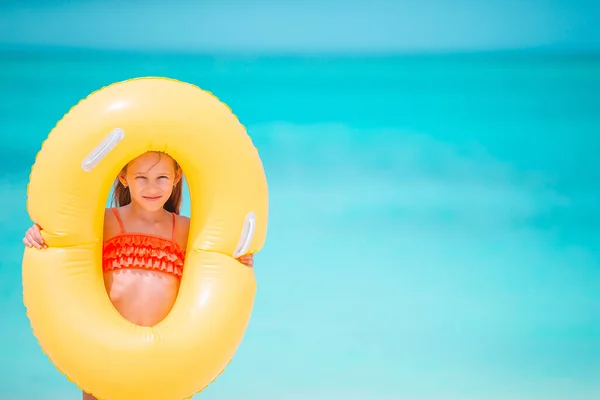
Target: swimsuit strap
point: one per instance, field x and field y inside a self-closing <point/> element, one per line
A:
<point x="116" y="212"/>
<point x="174" y="219"/>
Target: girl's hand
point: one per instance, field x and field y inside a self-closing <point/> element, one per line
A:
<point x="33" y="237"/>
<point x="247" y="260"/>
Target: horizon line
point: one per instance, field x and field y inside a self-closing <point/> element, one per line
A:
<point x="509" y="51"/>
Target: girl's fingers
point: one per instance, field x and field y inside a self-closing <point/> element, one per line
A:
<point x="30" y="242"/>
<point x="39" y="238"/>
<point x="32" y="239"/>
<point x="38" y="235"/>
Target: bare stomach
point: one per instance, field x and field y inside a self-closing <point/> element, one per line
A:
<point x="143" y="297"/>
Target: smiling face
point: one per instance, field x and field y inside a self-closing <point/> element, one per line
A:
<point x="150" y="178"/>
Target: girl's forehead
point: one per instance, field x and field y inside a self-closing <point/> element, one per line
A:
<point x="151" y="162"/>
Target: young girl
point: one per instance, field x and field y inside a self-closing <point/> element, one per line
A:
<point x="144" y="240"/>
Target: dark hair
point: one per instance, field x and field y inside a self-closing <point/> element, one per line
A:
<point x="122" y="197"/>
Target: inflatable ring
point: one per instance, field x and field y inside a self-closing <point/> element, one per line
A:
<point x="63" y="288"/>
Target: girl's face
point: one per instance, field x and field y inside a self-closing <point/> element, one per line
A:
<point x="150" y="178"/>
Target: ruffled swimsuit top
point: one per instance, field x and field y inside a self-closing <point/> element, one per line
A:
<point x="136" y="250"/>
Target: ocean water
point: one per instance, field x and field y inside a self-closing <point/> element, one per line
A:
<point x="434" y="226"/>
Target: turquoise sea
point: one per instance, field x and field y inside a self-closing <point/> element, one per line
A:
<point x="434" y="228"/>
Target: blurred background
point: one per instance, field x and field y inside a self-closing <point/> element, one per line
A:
<point x="433" y="172"/>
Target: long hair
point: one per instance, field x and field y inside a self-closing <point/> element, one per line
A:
<point x="122" y="197"/>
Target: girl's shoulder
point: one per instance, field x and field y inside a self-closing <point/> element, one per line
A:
<point x="182" y="224"/>
<point x="182" y="229"/>
<point x="111" y="224"/>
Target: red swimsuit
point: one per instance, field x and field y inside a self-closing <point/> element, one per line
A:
<point x="143" y="251"/>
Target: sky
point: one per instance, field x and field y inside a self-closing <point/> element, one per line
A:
<point x="380" y="26"/>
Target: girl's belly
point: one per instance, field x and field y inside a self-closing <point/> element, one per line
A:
<point x="142" y="297"/>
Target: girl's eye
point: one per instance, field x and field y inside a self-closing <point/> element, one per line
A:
<point x="163" y="177"/>
<point x="140" y="177"/>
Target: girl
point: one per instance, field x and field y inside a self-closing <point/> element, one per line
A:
<point x="144" y="240"/>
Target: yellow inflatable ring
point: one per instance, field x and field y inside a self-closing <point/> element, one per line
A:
<point x="63" y="289"/>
